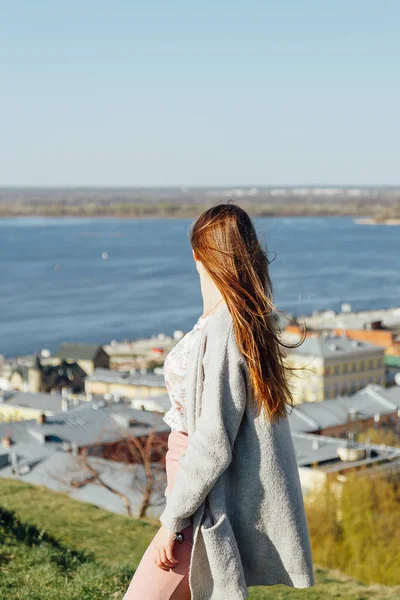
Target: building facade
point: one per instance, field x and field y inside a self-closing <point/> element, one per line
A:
<point x="88" y="357"/>
<point x="331" y="366"/>
<point x="125" y="384"/>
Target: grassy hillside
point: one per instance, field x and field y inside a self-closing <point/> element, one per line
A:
<point x="55" y="548"/>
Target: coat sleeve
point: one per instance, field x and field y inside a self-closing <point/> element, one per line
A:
<point x="209" y="449"/>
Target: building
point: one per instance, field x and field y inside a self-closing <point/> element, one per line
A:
<point x="379" y="327"/>
<point x="99" y="427"/>
<point x="37" y="377"/>
<point x="141" y="354"/>
<point x="372" y="406"/>
<point x="21" y="406"/>
<point x="332" y="366"/>
<point x="88" y="357"/>
<point x="322" y="459"/>
<point x="125" y="384"/>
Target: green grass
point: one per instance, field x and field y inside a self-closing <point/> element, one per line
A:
<point x="55" y="548"/>
<point x="114" y="539"/>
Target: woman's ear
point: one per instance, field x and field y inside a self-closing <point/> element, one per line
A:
<point x="194" y="255"/>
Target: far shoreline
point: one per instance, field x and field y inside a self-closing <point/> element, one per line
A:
<point x="357" y="219"/>
<point x="372" y="221"/>
<point x="166" y="217"/>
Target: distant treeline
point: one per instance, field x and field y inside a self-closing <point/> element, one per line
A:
<point x="166" y="209"/>
<point x="376" y="203"/>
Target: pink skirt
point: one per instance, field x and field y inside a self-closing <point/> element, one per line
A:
<point x="149" y="581"/>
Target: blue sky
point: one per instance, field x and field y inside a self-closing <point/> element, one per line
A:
<point x="199" y="93"/>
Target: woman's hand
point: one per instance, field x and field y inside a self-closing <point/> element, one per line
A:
<point x="163" y="544"/>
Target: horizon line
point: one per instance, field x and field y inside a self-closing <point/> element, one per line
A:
<point x="200" y="186"/>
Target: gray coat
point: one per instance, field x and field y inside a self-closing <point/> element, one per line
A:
<point x="238" y="481"/>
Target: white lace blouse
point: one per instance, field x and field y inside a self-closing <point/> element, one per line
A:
<point x="174" y="375"/>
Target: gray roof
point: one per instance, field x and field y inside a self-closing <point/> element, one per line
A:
<point x="322" y="449"/>
<point x="127" y="378"/>
<point x="354" y="320"/>
<point x="47" y="403"/>
<point x="335" y="346"/>
<point x="90" y="423"/>
<point x="78" y="351"/>
<point x="42" y="466"/>
<point x="371" y="400"/>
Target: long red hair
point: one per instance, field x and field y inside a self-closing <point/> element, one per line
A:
<point x="225" y="241"/>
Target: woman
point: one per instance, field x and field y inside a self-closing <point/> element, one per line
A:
<point x="234" y="514"/>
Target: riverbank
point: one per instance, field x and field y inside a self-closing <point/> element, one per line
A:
<point x="365" y="214"/>
<point x="376" y="221"/>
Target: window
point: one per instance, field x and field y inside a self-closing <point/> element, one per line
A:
<point x="52" y="439"/>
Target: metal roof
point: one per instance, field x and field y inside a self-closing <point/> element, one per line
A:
<point x="56" y="469"/>
<point x="371" y="400"/>
<point x="335" y="347"/>
<point x="78" y="351"/>
<point x="91" y="423"/>
<point x="47" y="403"/>
<point x="354" y="320"/>
<point x="322" y="449"/>
<point x="127" y="378"/>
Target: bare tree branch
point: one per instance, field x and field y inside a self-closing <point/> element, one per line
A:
<point x="101" y="482"/>
<point x="142" y="457"/>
